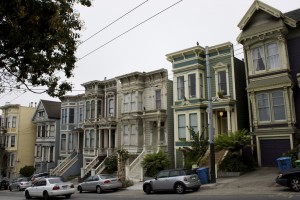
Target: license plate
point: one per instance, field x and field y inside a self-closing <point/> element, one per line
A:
<point x="64" y="187"/>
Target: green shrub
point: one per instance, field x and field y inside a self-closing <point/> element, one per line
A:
<point x="294" y="154"/>
<point x="27" y="171"/>
<point x="111" y="164"/>
<point x="233" y="163"/>
<point x="127" y="183"/>
<point x="155" y="162"/>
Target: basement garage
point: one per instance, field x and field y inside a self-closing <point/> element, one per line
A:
<point x="271" y="149"/>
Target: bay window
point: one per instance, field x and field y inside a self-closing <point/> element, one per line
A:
<point x="192" y="85"/>
<point x="180" y="87"/>
<point x="265" y="57"/>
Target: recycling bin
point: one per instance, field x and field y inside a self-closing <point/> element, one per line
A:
<point x="284" y="163"/>
<point x="203" y="174"/>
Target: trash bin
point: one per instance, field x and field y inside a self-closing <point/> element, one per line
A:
<point x="297" y="163"/>
<point x="284" y="163"/>
<point x="203" y="174"/>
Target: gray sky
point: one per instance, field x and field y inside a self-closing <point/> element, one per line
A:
<point x="123" y="49"/>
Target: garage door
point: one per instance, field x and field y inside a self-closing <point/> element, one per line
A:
<point x="273" y="149"/>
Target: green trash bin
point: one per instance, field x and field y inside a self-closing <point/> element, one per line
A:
<point x="297" y="163"/>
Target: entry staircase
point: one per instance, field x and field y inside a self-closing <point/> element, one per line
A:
<point x="97" y="165"/>
<point x="219" y="156"/>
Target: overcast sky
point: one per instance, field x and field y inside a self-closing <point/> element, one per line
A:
<point x="140" y="40"/>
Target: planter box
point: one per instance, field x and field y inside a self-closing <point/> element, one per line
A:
<point x="229" y="174"/>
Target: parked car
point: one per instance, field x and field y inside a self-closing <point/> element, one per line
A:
<point x="178" y="180"/>
<point x="290" y="178"/>
<point x="99" y="183"/>
<point x="19" y="184"/>
<point x="50" y="187"/>
<point x="37" y="176"/>
<point x="4" y="183"/>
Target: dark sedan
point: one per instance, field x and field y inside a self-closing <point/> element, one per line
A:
<point x="290" y="178"/>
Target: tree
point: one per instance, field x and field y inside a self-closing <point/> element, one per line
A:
<point x="27" y="171"/>
<point x="196" y="151"/>
<point x="111" y="163"/>
<point x="123" y="155"/>
<point x="155" y="162"/>
<point x="38" y="40"/>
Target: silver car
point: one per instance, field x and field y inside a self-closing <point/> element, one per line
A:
<point x="178" y="180"/>
<point x="19" y="184"/>
<point x="100" y="183"/>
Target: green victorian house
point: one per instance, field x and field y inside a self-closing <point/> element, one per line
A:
<point x="190" y="93"/>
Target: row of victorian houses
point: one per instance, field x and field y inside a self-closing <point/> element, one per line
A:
<point x="144" y="112"/>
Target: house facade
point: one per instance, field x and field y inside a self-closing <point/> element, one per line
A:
<point x="145" y="119"/>
<point x="271" y="42"/>
<point x="47" y="121"/>
<point x="18" y="138"/>
<point x="190" y="93"/>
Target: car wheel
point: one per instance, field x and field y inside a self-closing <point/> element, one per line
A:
<point x="46" y="195"/>
<point x="68" y="196"/>
<point x="98" y="189"/>
<point x="27" y="195"/>
<point x="79" y="189"/>
<point x="179" y="188"/>
<point x="9" y="188"/>
<point x="295" y="184"/>
<point x="148" y="189"/>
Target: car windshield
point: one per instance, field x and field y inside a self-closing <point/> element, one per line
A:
<point x="187" y="172"/>
<point x="55" y="180"/>
<point x="106" y="176"/>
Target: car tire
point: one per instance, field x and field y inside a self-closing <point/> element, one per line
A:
<point x="98" y="189"/>
<point x="45" y="195"/>
<point x="79" y="189"/>
<point x="295" y="184"/>
<point x="9" y="188"/>
<point x="27" y="195"/>
<point x="179" y="188"/>
<point x="148" y="189"/>
<point x="68" y="196"/>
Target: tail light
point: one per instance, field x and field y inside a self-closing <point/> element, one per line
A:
<point x="71" y="186"/>
<point x="106" y="181"/>
<point x="56" y="187"/>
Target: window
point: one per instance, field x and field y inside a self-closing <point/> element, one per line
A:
<point x="181" y="127"/>
<point x="99" y="108"/>
<point x="38" y="151"/>
<point x="132" y="103"/>
<point x="180" y="87"/>
<point x="133" y="135"/>
<point x="222" y="82"/>
<point x="70" y="141"/>
<point x="71" y="115"/>
<point x="87" y="139"/>
<point x="12" y="141"/>
<point x="265" y="57"/>
<point x="158" y="99"/>
<point x="192" y="85"/>
<point x="193" y="122"/>
<point x="41" y="113"/>
<point x="93" y="109"/>
<point x="12" y="159"/>
<point x="7" y="122"/>
<point x="64" y="116"/>
<point x="63" y="141"/>
<point x="87" y="110"/>
<point x="111" y="107"/>
<point x="14" y="122"/>
<point x="80" y="114"/>
<point x="126" y="135"/>
<point x="52" y="131"/>
<point x="271" y="106"/>
<point x="126" y="103"/>
<point x="92" y="138"/>
<point x="201" y="86"/>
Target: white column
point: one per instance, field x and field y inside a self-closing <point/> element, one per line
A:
<point x="109" y="138"/>
<point x="35" y="150"/>
<point x="42" y="149"/>
<point x="158" y="133"/>
<point x="229" y="120"/>
<point x="49" y="153"/>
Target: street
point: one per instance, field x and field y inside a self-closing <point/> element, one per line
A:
<point x="207" y="194"/>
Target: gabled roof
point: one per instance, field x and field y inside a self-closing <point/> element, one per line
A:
<point x="294" y="14"/>
<point x="52" y="108"/>
<point x="258" y="5"/>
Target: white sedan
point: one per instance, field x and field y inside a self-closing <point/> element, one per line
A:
<point x="50" y="187"/>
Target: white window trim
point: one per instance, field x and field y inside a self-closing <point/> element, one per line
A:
<point x="218" y="68"/>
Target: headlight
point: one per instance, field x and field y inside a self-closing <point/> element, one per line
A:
<point x="280" y="175"/>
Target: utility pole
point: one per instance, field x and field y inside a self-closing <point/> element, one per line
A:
<point x="210" y="121"/>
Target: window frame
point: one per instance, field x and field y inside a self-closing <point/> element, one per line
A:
<point x="183" y="127"/>
<point x="180" y="88"/>
<point x="192" y="85"/>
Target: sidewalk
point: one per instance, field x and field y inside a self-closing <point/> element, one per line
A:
<point x="260" y="181"/>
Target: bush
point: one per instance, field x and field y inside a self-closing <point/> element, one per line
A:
<point x="27" y="171"/>
<point x="127" y="183"/>
<point x="294" y="154"/>
<point x="111" y="164"/>
<point x="233" y="163"/>
<point x="155" y="162"/>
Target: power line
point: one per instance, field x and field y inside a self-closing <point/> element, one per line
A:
<point x="129" y="30"/>
<point x="112" y="23"/>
